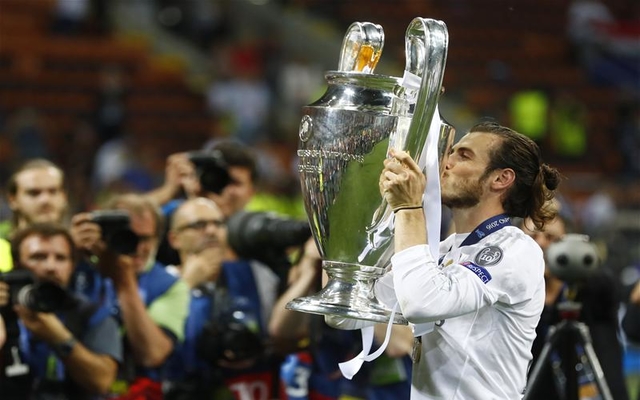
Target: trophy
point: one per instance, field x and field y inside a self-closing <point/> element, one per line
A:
<point x="344" y="138"/>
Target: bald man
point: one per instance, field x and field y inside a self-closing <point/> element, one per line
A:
<point x="234" y="361"/>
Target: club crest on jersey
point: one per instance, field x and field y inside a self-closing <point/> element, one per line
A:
<point x="490" y="255"/>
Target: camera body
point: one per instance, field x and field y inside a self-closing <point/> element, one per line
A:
<point x="232" y="333"/>
<point x="36" y="295"/>
<point x="572" y="259"/>
<point x="116" y="230"/>
<point x="211" y="169"/>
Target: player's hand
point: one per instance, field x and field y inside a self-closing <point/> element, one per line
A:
<point x="402" y="182"/>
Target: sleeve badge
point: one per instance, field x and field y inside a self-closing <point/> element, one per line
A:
<point x="490" y="255"/>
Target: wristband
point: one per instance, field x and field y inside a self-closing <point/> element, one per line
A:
<point x="64" y="349"/>
<point x="395" y="210"/>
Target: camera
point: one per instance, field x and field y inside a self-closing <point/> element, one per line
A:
<point x="36" y="295"/>
<point x="265" y="236"/>
<point x="116" y="230"/>
<point x="211" y="169"/>
<point x="233" y="332"/>
<point x="572" y="259"/>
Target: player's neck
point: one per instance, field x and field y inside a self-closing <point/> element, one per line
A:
<point x="467" y="219"/>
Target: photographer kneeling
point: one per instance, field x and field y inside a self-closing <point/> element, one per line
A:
<point x="57" y="345"/>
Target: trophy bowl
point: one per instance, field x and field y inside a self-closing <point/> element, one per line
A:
<point x="344" y="138"/>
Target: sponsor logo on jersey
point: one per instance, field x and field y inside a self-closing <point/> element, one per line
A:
<point x="490" y="255"/>
<point x="482" y="273"/>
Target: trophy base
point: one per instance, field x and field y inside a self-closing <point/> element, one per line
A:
<point x="316" y="305"/>
<point x="351" y="296"/>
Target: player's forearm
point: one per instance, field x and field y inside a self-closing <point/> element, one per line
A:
<point x="410" y="229"/>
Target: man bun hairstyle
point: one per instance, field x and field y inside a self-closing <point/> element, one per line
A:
<point x="535" y="182"/>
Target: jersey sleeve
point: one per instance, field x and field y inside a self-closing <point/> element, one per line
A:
<point x="427" y="292"/>
<point x="515" y="277"/>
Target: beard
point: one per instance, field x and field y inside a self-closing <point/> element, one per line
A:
<point x="45" y="215"/>
<point x="465" y="194"/>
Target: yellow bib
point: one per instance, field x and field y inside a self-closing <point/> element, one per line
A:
<point x="6" y="263"/>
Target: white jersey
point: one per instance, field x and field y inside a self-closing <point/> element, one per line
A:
<point x="486" y="299"/>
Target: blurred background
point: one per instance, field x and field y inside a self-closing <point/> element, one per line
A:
<point x="109" y="88"/>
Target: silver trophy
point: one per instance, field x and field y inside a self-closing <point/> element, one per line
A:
<point x="344" y="138"/>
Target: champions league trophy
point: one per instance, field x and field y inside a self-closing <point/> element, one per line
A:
<point x="344" y="138"/>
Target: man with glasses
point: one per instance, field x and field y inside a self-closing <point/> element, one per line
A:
<point x="150" y="303"/>
<point x="223" y="355"/>
<point x="181" y="182"/>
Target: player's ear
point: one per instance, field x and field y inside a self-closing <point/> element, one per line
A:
<point x="503" y="179"/>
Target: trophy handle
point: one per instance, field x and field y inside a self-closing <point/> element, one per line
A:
<point x="426" y="43"/>
<point x="361" y="47"/>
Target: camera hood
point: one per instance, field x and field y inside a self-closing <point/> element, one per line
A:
<point x="572" y="259"/>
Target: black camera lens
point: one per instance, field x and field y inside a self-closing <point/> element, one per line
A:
<point x="232" y="333"/>
<point x="250" y="233"/>
<point x="43" y="296"/>
<point x="265" y="237"/>
<point x="239" y="343"/>
<point x="212" y="170"/>
<point x="40" y="296"/>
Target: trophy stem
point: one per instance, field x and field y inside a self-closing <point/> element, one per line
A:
<point x="349" y="293"/>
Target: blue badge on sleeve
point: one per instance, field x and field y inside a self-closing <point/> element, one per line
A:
<point x="482" y="273"/>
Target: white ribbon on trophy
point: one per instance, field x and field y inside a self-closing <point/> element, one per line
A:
<point x="433" y="217"/>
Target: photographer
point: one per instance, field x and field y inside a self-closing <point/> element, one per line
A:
<point x="598" y="293"/>
<point x="225" y="351"/>
<point x="69" y="345"/>
<point x="225" y="173"/>
<point x="313" y="369"/>
<point x="150" y="304"/>
<point x="35" y="193"/>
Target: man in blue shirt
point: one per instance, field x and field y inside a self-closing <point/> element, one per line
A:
<point x="223" y="354"/>
<point x="72" y="352"/>
<point x="150" y="304"/>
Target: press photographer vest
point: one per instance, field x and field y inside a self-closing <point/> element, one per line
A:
<point x="152" y="284"/>
<point x="48" y="372"/>
<point x="189" y="372"/>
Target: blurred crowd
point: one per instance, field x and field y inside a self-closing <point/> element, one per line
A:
<point x="131" y="279"/>
<point x="174" y="293"/>
<point x="179" y="292"/>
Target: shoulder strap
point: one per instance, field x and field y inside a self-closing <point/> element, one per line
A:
<point x="219" y="295"/>
<point x="155" y="282"/>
